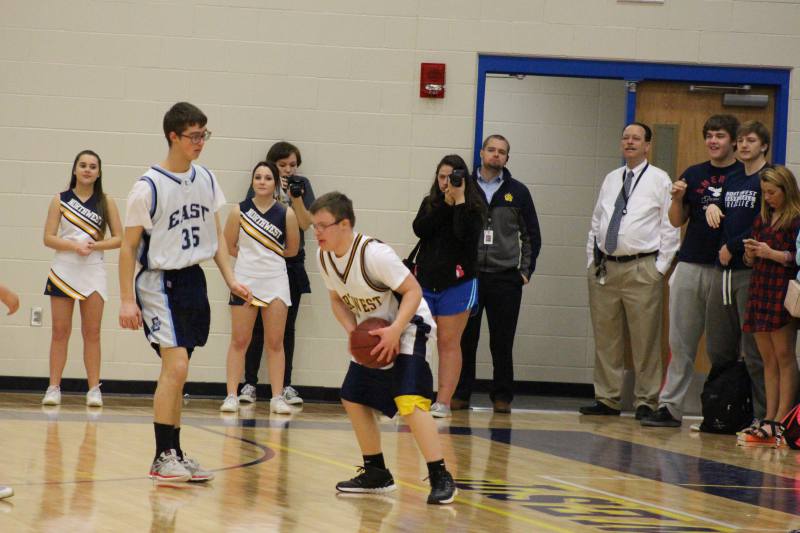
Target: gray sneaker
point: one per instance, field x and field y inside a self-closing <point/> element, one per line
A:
<point x="6" y="492"/>
<point x="291" y="396"/>
<point x="167" y="467"/>
<point x="440" y="410"/>
<point x="199" y="474"/>
<point x="248" y="394"/>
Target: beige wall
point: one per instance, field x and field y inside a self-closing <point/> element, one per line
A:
<point x="337" y="78"/>
<point x="564" y="136"/>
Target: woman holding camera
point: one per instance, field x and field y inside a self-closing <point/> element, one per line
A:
<point x="448" y="224"/>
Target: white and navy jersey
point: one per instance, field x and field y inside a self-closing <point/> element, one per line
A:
<point x="177" y="214"/>
<point x="262" y="240"/>
<point x="364" y="279"/>
<point x="80" y="222"/>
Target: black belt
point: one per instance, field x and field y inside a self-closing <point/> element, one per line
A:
<point x="628" y="258"/>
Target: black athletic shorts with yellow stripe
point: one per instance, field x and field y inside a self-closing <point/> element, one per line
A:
<point x="403" y="387"/>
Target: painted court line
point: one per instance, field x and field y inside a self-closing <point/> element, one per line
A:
<point x="641" y="502"/>
<point x="541" y="526"/>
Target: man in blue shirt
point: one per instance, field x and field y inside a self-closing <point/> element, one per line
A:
<point x="507" y="250"/>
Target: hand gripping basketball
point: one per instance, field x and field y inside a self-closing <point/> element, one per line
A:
<point x="362" y="343"/>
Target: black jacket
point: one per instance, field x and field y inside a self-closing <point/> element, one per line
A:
<point x="515" y="229"/>
<point x="447" y="253"/>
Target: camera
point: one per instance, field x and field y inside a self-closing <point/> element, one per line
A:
<point x="457" y="177"/>
<point x="296" y="188"/>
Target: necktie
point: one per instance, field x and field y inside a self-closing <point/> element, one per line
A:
<point x="616" y="218"/>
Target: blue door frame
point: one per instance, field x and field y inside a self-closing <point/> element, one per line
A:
<point x="635" y="72"/>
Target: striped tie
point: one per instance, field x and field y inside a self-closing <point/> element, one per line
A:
<point x="616" y="218"/>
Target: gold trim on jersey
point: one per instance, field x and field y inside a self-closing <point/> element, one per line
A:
<point x="64" y="286"/>
<point x="81" y="223"/>
<point x="374" y="286"/>
<point x="353" y="250"/>
<point x="322" y="261"/>
<point x="265" y="240"/>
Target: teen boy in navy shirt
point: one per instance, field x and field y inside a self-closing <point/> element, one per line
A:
<point x="691" y="305"/>
<point x="742" y="204"/>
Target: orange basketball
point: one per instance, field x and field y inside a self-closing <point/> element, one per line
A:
<point x="362" y="343"/>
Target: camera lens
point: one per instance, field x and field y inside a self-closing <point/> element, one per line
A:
<point x="457" y="178"/>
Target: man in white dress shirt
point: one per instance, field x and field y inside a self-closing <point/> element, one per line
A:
<point x="630" y="247"/>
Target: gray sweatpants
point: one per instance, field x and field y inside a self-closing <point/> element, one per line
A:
<point x="690" y="309"/>
<point x="725" y="340"/>
<point x="696" y="301"/>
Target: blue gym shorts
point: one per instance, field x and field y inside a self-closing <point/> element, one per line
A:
<point x="175" y="310"/>
<point x="403" y="387"/>
<point x="453" y="300"/>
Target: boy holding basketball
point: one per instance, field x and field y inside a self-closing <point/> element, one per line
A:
<point x="361" y="275"/>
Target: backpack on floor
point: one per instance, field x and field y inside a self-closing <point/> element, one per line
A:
<point x="726" y="399"/>
<point x="792" y="424"/>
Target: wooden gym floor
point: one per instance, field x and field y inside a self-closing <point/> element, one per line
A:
<point x="77" y="469"/>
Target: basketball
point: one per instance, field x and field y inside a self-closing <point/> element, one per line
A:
<point x="362" y="343"/>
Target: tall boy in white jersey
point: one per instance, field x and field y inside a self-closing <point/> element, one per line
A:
<point x="361" y="275"/>
<point x="171" y="226"/>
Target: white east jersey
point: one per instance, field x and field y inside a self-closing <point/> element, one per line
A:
<point x="179" y="224"/>
<point x="364" y="279"/>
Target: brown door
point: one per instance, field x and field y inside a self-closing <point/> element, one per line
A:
<point x="676" y="116"/>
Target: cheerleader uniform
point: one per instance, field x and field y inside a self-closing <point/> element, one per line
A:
<point x="260" y="264"/>
<point x="73" y="275"/>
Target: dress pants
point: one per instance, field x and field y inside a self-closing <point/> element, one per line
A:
<point x="499" y="294"/>
<point x="633" y="294"/>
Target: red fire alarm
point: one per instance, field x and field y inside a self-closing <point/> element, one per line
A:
<point x="431" y="80"/>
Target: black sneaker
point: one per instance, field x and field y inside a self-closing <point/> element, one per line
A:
<point x="599" y="408"/>
<point x="661" y="419"/>
<point x="372" y="480"/>
<point x="443" y="488"/>
<point x="643" y="411"/>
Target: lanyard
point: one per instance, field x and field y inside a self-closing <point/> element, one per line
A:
<point x="626" y="196"/>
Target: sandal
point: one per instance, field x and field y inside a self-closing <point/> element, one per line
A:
<point x="768" y="434"/>
<point x="754" y="425"/>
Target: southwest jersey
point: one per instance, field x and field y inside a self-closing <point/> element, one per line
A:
<point x="80" y="222"/>
<point x="181" y="230"/>
<point x="364" y="279"/>
<point x="262" y="240"/>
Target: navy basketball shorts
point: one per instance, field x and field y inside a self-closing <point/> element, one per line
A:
<point x="403" y="387"/>
<point x="175" y="309"/>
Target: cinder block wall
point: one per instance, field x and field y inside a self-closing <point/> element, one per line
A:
<point x="339" y="80"/>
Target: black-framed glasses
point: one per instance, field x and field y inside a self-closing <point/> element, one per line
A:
<point x="322" y="227"/>
<point x="195" y="138"/>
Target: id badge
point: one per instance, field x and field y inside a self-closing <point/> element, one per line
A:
<point x="488" y="236"/>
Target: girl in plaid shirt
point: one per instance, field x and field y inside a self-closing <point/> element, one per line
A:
<point x="771" y="251"/>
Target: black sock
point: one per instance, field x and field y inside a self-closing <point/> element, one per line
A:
<point x="374" y="461"/>
<point x="436" y="467"/>
<point x="177" y="442"/>
<point x="164" y="437"/>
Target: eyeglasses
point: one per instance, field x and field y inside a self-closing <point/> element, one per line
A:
<point x="319" y="228"/>
<point x="195" y="138"/>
